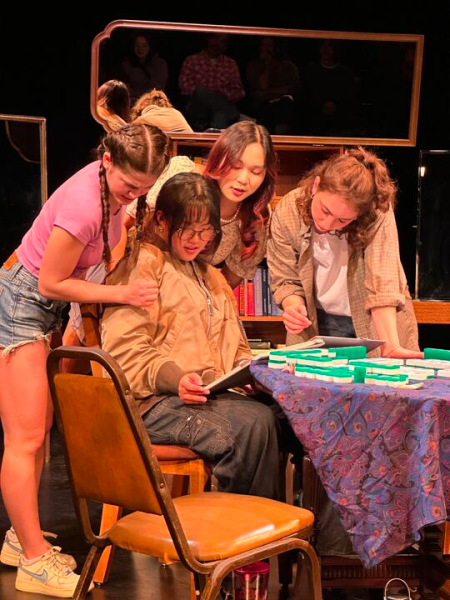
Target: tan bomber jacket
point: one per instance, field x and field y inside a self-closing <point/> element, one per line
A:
<point x="192" y="327"/>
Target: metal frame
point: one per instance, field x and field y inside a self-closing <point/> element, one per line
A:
<point x="418" y="40"/>
<point x="42" y="122"/>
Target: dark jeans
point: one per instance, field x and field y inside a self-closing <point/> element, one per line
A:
<point x="208" y="109"/>
<point x="335" y="325"/>
<point x="235" y="434"/>
<point x="277" y="115"/>
<point x="332" y="539"/>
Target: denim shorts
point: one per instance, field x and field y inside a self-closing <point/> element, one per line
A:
<point x="25" y="315"/>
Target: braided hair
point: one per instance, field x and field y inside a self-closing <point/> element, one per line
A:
<point x="143" y="148"/>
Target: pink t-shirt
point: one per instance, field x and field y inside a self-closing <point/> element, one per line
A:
<point x="76" y="207"/>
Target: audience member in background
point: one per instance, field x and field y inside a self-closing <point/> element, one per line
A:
<point x="211" y="84"/>
<point x="155" y="109"/>
<point x="143" y="69"/>
<point x="113" y="104"/>
<point x="273" y="84"/>
<point x="330" y="93"/>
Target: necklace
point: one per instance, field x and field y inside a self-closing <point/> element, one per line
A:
<point x="233" y="218"/>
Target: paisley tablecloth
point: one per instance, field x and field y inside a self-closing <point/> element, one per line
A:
<point x="382" y="454"/>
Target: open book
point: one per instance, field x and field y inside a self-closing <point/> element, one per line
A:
<point x="240" y="376"/>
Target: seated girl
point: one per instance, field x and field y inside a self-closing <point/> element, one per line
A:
<point x="188" y="338"/>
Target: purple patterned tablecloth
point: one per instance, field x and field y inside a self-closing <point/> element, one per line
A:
<point x="382" y="454"/>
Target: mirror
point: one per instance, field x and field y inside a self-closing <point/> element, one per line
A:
<point x="23" y="184"/>
<point x="433" y="218"/>
<point x="305" y="86"/>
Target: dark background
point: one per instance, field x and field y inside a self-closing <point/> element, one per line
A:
<point x="46" y="67"/>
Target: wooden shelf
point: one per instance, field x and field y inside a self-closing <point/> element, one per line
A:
<point x="432" y="312"/>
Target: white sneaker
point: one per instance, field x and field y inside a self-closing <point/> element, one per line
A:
<point x="12" y="551"/>
<point x="47" y="575"/>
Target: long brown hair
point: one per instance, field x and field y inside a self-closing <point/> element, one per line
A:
<point x="114" y="96"/>
<point x="360" y="178"/>
<point x="143" y="148"/>
<point x="224" y="154"/>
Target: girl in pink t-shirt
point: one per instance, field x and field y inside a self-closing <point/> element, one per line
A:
<point x="73" y="232"/>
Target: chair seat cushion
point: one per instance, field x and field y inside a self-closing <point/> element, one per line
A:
<point x="217" y="525"/>
<point x="164" y="452"/>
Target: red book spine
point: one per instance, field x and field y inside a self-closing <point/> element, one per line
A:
<point x="236" y="298"/>
<point x="242" y="300"/>
<point x="250" y="299"/>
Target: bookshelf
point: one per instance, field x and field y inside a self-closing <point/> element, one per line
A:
<point x="294" y="160"/>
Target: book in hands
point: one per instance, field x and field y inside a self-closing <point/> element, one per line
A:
<point x="237" y="377"/>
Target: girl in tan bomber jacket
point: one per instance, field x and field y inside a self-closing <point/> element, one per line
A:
<point x="189" y="337"/>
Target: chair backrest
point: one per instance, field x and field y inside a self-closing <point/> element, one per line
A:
<point x="108" y="452"/>
<point x="90" y="314"/>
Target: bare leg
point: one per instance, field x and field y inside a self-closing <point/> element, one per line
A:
<point x="24" y="414"/>
<point x="40" y="454"/>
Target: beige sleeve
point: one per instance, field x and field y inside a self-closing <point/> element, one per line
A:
<point x="282" y="255"/>
<point x="385" y="279"/>
<point x="128" y="333"/>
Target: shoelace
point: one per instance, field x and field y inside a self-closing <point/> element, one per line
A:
<point x="53" y="559"/>
<point x="59" y="556"/>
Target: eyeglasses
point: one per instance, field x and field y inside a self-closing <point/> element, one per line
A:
<point x="187" y="233"/>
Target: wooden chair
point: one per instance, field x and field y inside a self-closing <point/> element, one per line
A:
<point x="110" y="460"/>
<point x="188" y="471"/>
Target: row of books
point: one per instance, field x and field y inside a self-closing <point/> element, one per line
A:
<point x="254" y="298"/>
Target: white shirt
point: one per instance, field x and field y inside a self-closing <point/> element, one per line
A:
<point x="330" y="262"/>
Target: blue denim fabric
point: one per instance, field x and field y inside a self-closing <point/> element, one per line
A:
<point x="25" y="315"/>
<point x="236" y="434"/>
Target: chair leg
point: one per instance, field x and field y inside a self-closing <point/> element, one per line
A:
<point x="289" y="480"/>
<point x="198" y="477"/>
<point x="87" y="573"/>
<point x="285" y="569"/>
<point x="110" y="515"/>
<point x="307" y="559"/>
<point x="211" y="587"/>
